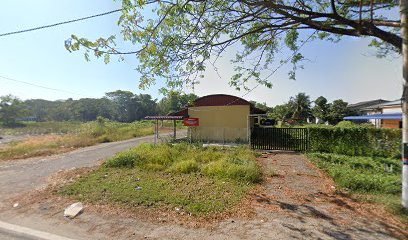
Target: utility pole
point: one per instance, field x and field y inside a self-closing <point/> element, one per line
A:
<point x="404" y="35"/>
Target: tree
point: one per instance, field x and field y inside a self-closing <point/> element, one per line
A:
<point x="183" y="36"/>
<point x="175" y="101"/>
<point x="299" y="105"/>
<point x="280" y="112"/>
<point x="11" y="108"/>
<point x="40" y="109"/>
<point x="262" y="106"/>
<point x="320" y="108"/>
<point x="123" y="104"/>
<point x="337" y="111"/>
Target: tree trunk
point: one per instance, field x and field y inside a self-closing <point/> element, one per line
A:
<point x="404" y="35"/>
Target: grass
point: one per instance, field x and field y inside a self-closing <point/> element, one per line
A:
<point x="368" y="178"/>
<point x="75" y="135"/>
<point x="200" y="181"/>
<point x="37" y="128"/>
<point x="44" y="145"/>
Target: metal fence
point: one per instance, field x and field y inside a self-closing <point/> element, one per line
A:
<point x="290" y="139"/>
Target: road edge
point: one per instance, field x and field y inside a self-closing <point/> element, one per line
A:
<point x="29" y="233"/>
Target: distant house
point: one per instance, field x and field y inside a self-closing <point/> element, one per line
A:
<point x="221" y="118"/>
<point x="381" y="113"/>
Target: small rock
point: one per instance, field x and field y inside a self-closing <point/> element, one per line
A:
<point x="73" y="210"/>
<point x="333" y="187"/>
<point x="138" y="188"/>
<point x="15" y="205"/>
<point x="262" y="220"/>
<point x="177" y="209"/>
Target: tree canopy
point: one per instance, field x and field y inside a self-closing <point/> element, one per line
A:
<point x="299" y="108"/>
<point x="178" y="40"/>
<point x="121" y="106"/>
<point x="11" y="108"/>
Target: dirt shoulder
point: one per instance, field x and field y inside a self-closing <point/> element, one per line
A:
<point x="299" y="202"/>
<point x="28" y="174"/>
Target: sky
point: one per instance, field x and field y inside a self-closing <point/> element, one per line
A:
<point x="346" y="70"/>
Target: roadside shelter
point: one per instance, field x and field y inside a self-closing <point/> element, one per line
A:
<point x="220" y="118"/>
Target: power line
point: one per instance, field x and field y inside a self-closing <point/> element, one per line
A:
<point x="44" y="87"/>
<point x="60" y="23"/>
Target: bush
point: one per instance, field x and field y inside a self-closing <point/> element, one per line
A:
<point x="122" y="160"/>
<point x="362" y="174"/>
<point x="185" y="167"/>
<point x="233" y="163"/>
<point x="356" y="141"/>
<point x="239" y="170"/>
<point x="346" y="124"/>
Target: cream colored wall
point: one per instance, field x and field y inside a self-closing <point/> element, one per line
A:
<point x="392" y="109"/>
<point x="220" y="123"/>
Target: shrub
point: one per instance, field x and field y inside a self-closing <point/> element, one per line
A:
<point x="240" y="170"/>
<point x="185" y="167"/>
<point x="356" y="141"/>
<point x="122" y="160"/>
<point x="232" y="163"/>
<point x="346" y="124"/>
<point x="363" y="174"/>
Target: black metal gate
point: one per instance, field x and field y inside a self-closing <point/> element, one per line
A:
<point x="291" y="139"/>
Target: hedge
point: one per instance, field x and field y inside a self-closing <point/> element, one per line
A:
<point x="356" y="141"/>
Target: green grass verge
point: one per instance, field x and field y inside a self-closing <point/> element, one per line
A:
<point x="200" y="181"/>
<point x="369" y="178"/>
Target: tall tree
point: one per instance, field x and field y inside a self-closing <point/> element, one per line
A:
<point x="11" y="108"/>
<point x="184" y="35"/>
<point x="123" y="104"/>
<point x="175" y="101"/>
<point x="262" y="106"/>
<point x="337" y="111"/>
<point x="300" y="107"/>
<point x="178" y="40"/>
<point x="280" y="112"/>
<point x="320" y="108"/>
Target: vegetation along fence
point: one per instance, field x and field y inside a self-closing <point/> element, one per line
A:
<point x="291" y="139"/>
<point x="356" y="141"/>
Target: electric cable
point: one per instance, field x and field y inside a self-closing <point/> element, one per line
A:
<point x="44" y="87"/>
<point x="60" y="23"/>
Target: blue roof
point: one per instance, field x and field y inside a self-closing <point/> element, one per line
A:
<point x="385" y="116"/>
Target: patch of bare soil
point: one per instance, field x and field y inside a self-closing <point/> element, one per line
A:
<point x="299" y="202"/>
<point x="303" y="192"/>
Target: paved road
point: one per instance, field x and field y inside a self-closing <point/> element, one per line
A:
<point x="22" y="175"/>
<point x="13" y="236"/>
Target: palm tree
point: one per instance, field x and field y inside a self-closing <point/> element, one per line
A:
<point x="300" y="107"/>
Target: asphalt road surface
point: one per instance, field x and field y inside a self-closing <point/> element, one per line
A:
<point x="17" y="176"/>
